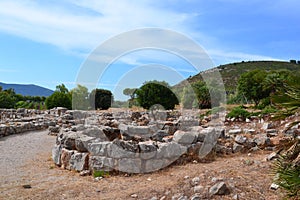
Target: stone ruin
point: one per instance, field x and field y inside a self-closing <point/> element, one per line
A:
<point x="142" y="142"/>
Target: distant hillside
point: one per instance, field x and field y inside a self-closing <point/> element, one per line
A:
<point x="231" y="72"/>
<point x="28" y="90"/>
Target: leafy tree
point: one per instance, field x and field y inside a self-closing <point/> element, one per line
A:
<point x="62" y="88"/>
<point x="6" y="100"/>
<point x="131" y="93"/>
<point x="60" y="98"/>
<point x="101" y="99"/>
<point x="156" y="92"/>
<point x="80" y="98"/>
<point x="250" y="85"/>
<point x="202" y="93"/>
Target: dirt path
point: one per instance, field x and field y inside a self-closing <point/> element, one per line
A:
<point x="25" y="160"/>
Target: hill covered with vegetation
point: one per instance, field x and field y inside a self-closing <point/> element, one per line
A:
<point x="232" y="72"/>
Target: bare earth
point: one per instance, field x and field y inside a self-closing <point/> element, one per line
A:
<point x="246" y="175"/>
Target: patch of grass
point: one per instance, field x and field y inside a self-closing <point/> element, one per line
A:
<point x="239" y="112"/>
<point x="100" y="173"/>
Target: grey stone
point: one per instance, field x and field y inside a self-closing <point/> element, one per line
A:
<point x="69" y="140"/>
<point x="155" y="164"/>
<point x="234" y="131"/>
<point x="79" y="161"/>
<point x="183" y="137"/>
<point x="147" y="150"/>
<point x="219" y="189"/>
<point x="130" y="165"/>
<point x="94" y="131"/>
<point x="99" y="148"/>
<point x="122" y="150"/>
<point x="274" y="186"/>
<point x="240" y="139"/>
<point x="271" y="132"/>
<point x="159" y="135"/>
<point x="82" y="142"/>
<point x="272" y="156"/>
<point x="198" y="189"/>
<point x="195" y="181"/>
<point x="170" y="150"/>
<point x="56" y="154"/>
<point x="196" y="196"/>
<point x="98" y="163"/>
<point x="267" y="125"/>
<point x="237" y="148"/>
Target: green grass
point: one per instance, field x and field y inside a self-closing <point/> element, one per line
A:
<point x="100" y="173"/>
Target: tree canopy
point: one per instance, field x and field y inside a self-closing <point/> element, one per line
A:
<point x="156" y="92"/>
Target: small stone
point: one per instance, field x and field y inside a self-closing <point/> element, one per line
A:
<point x="219" y="189"/>
<point x="198" y="189"/>
<point x="85" y="173"/>
<point x="154" y="198"/>
<point x="272" y="156"/>
<point x="98" y="178"/>
<point x="27" y="186"/>
<point x="98" y="190"/>
<point x="195" y="181"/>
<point x="237" y="148"/>
<point x="236" y="197"/>
<point x="274" y="186"/>
<point x="134" y="196"/>
<point x="186" y="177"/>
<point x="196" y="197"/>
<point x="149" y="179"/>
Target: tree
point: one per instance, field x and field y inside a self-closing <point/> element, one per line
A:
<point x="59" y="99"/>
<point x="202" y="93"/>
<point x="62" y="88"/>
<point x="250" y="85"/>
<point x="6" y="100"/>
<point x="101" y="99"/>
<point x="155" y="92"/>
<point x="131" y="93"/>
<point x="80" y="98"/>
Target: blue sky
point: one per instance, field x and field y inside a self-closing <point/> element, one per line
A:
<point x="47" y="42"/>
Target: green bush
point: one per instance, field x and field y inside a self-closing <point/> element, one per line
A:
<point x="59" y="99"/>
<point x="268" y="110"/>
<point x="101" y="99"/>
<point x="238" y="112"/>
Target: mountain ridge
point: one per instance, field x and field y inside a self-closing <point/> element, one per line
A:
<point x="27" y="89"/>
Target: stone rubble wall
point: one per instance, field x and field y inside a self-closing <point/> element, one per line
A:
<point x="134" y="143"/>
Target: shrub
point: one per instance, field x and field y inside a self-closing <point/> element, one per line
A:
<point x="101" y="99"/>
<point x="100" y="173"/>
<point x="268" y="110"/>
<point x="238" y="112"/>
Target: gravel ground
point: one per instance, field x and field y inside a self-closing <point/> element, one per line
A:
<point x="25" y="159"/>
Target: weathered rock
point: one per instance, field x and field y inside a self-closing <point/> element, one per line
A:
<point x="234" y="131"/>
<point x="183" y="137"/>
<point x="271" y="132"/>
<point x="237" y="148"/>
<point x="147" y="150"/>
<point x="65" y="158"/>
<point x="159" y="135"/>
<point x="219" y="189"/>
<point x="79" y="161"/>
<point x="96" y="132"/>
<point x="198" y="189"/>
<point x="267" y="125"/>
<point x="130" y="165"/>
<point x="196" y="196"/>
<point x="82" y="142"/>
<point x="170" y="150"/>
<point x="56" y="154"/>
<point x="122" y="149"/>
<point x="195" y="181"/>
<point x="99" y="163"/>
<point x="99" y="148"/>
<point x="240" y="139"/>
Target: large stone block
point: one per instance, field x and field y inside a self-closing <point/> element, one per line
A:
<point x="183" y="137"/>
<point x="97" y="163"/>
<point x="56" y="154"/>
<point x="82" y="142"/>
<point x="170" y="150"/>
<point x="155" y="164"/>
<point x="96" y="132"/>
<point x="99" y="148"/>
<point x="147" y="150"/>
<point x="65" y="158"/>
<point x="122" y="149"/>
<point x="130" y="165"/>
<point x="79" y="161"/>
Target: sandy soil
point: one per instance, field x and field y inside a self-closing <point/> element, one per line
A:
<point x="25" y="159"/>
